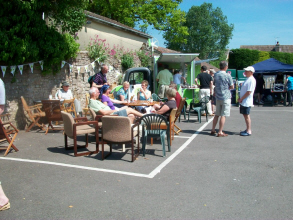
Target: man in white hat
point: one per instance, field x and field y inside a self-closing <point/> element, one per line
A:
<point x="246" y="98"/>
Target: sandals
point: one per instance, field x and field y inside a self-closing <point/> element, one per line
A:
<point x="6" y="206"/>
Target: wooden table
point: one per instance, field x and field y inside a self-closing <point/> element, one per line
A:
<point x="142" y="103"/>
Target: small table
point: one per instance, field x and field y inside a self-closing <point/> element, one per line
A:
<point x="142" y="103"/>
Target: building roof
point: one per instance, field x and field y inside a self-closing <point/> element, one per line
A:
<point x="268" y="48"/>
<point x="115" y="24"/>
<point x="165" y="50"/>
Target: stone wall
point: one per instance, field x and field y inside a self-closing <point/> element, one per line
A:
<point x="35" y="86"/>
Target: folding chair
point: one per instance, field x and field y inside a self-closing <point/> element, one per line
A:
<point x="8" y="133"/>
<point x="34" y="113"/>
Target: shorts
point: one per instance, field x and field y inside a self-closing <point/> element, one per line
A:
<point x="223" y="107"/>
<point x="122" y="112"/>
<point x="244" y="110"/>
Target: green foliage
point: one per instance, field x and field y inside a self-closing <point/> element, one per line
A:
<point x="263" y="55"/>
<point x="282" y="57"/>
<point x="145" y="58"/>
<point x="98" y="48"/>
<point x="241" y="58"/>
<point x="208" y="29"/>
<point x="127" y="60"/>
<point x="25" y="37"/>
<point x="161" y="14"/>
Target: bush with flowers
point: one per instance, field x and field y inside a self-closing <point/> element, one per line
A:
<point x="98" y="48"/>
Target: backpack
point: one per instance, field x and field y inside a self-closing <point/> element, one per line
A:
<point x="91" y="79"/>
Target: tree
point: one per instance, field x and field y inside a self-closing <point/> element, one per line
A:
<point x="164" y="15"/>
<point x="25" y="36"/>
<point x="208" y="29"/>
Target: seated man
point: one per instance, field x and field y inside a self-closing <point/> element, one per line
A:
<point x="103" y="109"/>
<point x="65" y="93"/>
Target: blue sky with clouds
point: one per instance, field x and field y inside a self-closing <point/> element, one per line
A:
<point x="256" y="22"/>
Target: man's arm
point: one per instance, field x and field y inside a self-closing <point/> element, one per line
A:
<point x="211" y="87"/>
<point x="196" y="82"/>
<point x="95" y="85"/>
<point x="244" y="96"/>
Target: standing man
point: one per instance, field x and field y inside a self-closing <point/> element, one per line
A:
<point x="246" y="98"/>
<point x="223" y="84"/>
<point x="101" y="79"/>
<point x="289" y="84"/>
<point x="260" y="83"/>
<point x="164" y="78"/>
<point x="206" y="86"/>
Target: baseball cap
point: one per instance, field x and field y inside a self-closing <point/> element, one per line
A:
<point x="250" y="68"/>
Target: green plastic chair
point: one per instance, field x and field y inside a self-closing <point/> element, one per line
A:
<point x="151" y="127"/>
<point x="198" y="107"/>
<point x="156" y="98"/>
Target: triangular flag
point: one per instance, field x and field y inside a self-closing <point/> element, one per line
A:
<point x="78" y="70"/>
<point x="70" y="68"/>
<point x="32" y="67"/>
<point x="41" y="63"/>
<point x="86" y="68"/>
<point x="93" y="64"/>
<point x="3" y="68"/>
<point x="62" y="64"/>
<point x="12" y="68"/>
<point x="20" y="67"/>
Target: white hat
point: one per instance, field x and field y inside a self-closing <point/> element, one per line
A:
<point x="250" y="68"/>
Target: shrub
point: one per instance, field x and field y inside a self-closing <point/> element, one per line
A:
<point x="144" y="57"/>
<point x="127" y="60"/>
<point x="98" y="48"/>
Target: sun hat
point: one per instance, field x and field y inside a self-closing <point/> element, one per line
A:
<point x="65" y="84"/>
<point x="103" y="89"/>
<point x="250" y="68"/>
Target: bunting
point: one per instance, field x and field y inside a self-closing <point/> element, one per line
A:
<point x="3" y="68"/>
<point x="41" y="62"/>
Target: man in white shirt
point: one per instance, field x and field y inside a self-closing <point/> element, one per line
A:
<point x="246" y="98"/>
<point x="65" y="93"/>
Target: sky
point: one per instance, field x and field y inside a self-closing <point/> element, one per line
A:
<point x="256" y="22"/>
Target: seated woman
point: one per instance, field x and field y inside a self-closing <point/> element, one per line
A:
<point x="143" y="94"/>
<point x="178" y="96"/>
<point x="65" y="93"/>
<point x="166" y="108"/>
<point x="104" y="96"/>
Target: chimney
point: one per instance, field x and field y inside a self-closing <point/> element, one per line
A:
<point x="277" y="47"/>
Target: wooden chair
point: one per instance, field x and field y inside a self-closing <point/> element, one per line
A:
<point x="72" y="129"/>
<point x="178" y="114"/>
<point x="68" y="106"/>
<point x="52" y="110"/>
<point x="118" y="130"/>
<point x="8" y="133"/>
<point x="86" y="108"/>
<point x="34" y="113"/>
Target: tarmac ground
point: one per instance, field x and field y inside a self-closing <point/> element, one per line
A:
<point x="203" y="177"/>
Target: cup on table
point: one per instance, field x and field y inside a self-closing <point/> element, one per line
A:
<point x="50" y="97"/>
<point x="151" y="100"/>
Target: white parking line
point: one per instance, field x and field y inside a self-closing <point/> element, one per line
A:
<point x="151" y="175"/>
